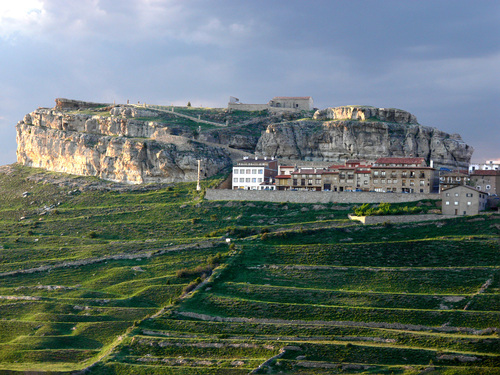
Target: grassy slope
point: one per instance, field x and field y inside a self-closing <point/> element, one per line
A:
<point x="337" y="296"/>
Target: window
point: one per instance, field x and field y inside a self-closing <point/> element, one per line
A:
<point x="412" y="183"/>
<point x="261" y="171"/>
<point x="254" y="180"/>
<point x="254" y="171"/>
<point x="294" y="181"/>
<point x="422" y="182"/>
<point x="260" y="180"/>
<point x="375" y="173"/>
<point x="488" y="187"/>
<point x="235" y="179"/>
<point x="236" y="171"/>
<point x="318" y="181"/>
<point x="247" y="180"/>
<point x="447" y="194"/>
<point x="382" y="173"/>
<point x="242" y="180"/>
<point x="478" y="187"/>
<point x="382" y="181"/>
<point x="248" y="171"/>
<point x="469" y="195"/>
<point x="469" y="203"/>
<point x="456" y="194"/>
<point x="310" y="181"/>
<point x="447" y="203"/>
<point x="456" y="203"/>
<point x="365" y="182"/>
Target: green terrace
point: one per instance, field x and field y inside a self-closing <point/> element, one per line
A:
<point x="140" y="280"/>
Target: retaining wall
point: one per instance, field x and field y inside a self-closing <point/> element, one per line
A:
<point x="314" y="196"/>
<point x="399" y="218"/>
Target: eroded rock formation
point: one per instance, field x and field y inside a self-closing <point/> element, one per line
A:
<point x="113" y="147"/>
<point x="363" y="133"/>
<point x="133" y="145"/>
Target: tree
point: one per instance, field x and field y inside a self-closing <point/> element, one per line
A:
<point x="189" y="104"/>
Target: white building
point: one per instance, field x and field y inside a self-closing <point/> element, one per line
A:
<point x="490" y="165"/>
<point x="255" y="174"/>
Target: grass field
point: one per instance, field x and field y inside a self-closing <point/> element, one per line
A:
<point x="99" y="278"/>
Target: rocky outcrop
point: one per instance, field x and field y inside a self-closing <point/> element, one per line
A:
<point x="62" y="103"/>
<point x="113" y="148"/>
<point x="139" y="145"/>
<point x="363" y="133"/>
<point x="363" y="113"/>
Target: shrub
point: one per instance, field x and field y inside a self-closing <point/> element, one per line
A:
<point x="192" y="285"/>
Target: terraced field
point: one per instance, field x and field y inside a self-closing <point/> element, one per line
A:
<point x="124" y="280"/>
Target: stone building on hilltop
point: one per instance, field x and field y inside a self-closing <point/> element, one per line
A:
<point x="276" y="104"/>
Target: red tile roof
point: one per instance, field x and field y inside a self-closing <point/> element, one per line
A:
<point x="486" y="173"/>
<point x="283" y="176"/>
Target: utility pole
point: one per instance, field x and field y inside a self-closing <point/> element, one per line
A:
<point x="198" y="187"/>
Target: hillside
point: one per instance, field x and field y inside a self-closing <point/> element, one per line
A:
<point x="92" y="275"/>
<point x="160" y="144"/>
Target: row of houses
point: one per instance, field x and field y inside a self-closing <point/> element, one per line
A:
<point x="398" y="175"/>
<point x="461" y="193"/>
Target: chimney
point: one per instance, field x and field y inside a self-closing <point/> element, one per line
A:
<point x="432" y="163"/>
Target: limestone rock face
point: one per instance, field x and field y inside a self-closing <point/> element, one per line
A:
<point x="340" y="140"/>
<point x="363" y="113"/>
<point x="137" y="145"/>
<point x="112" y="148"/>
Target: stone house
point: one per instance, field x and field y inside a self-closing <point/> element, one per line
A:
<point x="307" y="179"/>
<point x="403" y="175"/>
<point x="276" y="104"/>
<point x="486" y="180"/>
<point x="463" y="200"/>
<point x="255" y="174"/>
<point x="448" y="179"/>
<point x="299" y="103"/>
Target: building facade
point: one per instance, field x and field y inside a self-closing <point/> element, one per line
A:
<point x="403" y="175"/>
<point x="487" y="181"/>
<point x="489" y="165"/>
<point x="463" y="200"/>
<point x="276" y="104"/>
<point x="299" y="103"/>
<point x="449" y="179"/>
<point x="255" y="174"/>
<point x="398" y="175"/>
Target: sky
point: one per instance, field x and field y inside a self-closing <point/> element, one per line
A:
<point x="438" y="59"/>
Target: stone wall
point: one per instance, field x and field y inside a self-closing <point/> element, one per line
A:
<point x="399" y="218"/>
<point x="314" y="196"/>
<point x="247" y="107"/>
<point x="259" y="107"/>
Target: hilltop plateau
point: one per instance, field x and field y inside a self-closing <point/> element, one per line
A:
<point x="149" y="144"/>
<point x="105" y="278"/>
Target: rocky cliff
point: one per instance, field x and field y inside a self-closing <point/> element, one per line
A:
<point x="342" y="133"/>
<point x="140" y="145"/>
<point x="113" y="147"/>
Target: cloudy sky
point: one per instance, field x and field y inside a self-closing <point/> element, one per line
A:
<point x="437" y="59"/>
